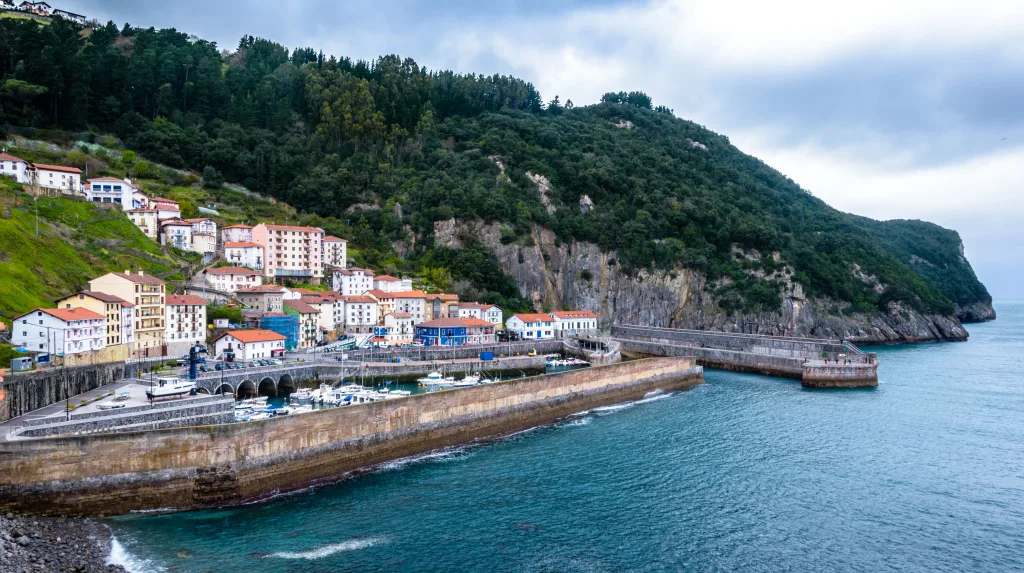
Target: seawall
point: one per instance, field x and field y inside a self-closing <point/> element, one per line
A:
<point x="215" y="465"/>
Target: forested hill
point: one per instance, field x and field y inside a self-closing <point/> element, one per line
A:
<point x="382" y="150"/>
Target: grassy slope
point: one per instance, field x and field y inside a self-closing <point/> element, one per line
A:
<point x="36" y="269"/>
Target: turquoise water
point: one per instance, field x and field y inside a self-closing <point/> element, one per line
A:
<point x="746" y="473"/>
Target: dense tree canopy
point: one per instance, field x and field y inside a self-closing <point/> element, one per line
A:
<point x="334" y="137"/>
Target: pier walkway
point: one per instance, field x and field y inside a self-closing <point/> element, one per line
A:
<point x="817" y="363"/>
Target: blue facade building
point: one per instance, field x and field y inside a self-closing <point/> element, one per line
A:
<point x="284" y="324"/>
<point x="441" y="332"/>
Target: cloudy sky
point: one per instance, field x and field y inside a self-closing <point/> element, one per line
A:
<point x="890" y="109"/>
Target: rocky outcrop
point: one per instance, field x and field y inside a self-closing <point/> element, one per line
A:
<point x="578" y="275"/>
<point x="977" y="312"/>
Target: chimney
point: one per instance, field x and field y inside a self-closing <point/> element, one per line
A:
<point x="141" y="273"/>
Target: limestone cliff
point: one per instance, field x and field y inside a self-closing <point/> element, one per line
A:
<point x="578" y="275"/>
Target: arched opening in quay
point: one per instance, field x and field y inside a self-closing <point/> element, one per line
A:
<point x="247" y="389"/>
<point x="201" y="390"/>
<point x="225" y="389"/>
<point x="267" y="387"/>
<point x="286" y="385"/>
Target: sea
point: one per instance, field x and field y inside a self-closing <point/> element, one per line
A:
<point x="744" y="473"/>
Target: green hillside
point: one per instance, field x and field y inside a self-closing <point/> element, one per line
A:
<point x="76" y="242"/>
<point x="380" y="151"/>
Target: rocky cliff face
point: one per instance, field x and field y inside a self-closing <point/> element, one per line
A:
<point x="579" y="275"/>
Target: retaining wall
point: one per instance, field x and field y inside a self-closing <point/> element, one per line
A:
<point x="218" y="410"/>
<point x="28" y="391"/>
<point x="216" y="465"/>
<point x="721" y="359"/>
<point x="819" y="374"/>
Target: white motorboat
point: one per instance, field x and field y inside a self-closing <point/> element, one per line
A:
<point x="169" y="388"/>
<point x="468" y="380"/>
<point x="110" y="405"/>
<point x="390" y="394"/>
<point x="435" y="378"/>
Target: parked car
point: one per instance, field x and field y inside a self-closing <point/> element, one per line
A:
<point x="220" y="366"/>
<point x="234" y="366"/>
<point x="276" y="361"/>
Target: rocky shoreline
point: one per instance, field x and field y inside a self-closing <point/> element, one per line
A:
<point x="32" y="544"/>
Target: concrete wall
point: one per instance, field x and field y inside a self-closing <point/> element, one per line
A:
<point x="469" y="351"/>
<point x="734" y="360"/>
<point x="216" y="465"/>
<point x="24" y="392"/>
<point x="112" y="353"/>
<point x="218" y="410"/>
<point x="800" y="348"/>
<point x="832" y="375"/>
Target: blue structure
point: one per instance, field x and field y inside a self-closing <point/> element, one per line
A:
<point x="284" y="324"/>
<point x="442" y="332"/>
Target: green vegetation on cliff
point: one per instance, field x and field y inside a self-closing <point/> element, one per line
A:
<point x="381" y="151"/>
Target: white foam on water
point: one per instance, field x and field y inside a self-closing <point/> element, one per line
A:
<point x="649" y="397"/>
<point x="119" y="556"/>
<point x="577" y="421"/>
<point x="327" y="550"/>
<point x="442" y="455"/>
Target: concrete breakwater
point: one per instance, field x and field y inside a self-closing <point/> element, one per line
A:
<point x="817" y="363"/>
<point x="216" y="465"/>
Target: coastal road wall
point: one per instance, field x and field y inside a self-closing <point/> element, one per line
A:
<point x="223" y="464"/>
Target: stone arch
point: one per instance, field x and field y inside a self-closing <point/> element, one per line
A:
<point x="202" y="390"/>
<point x="267" y="387"/>
<point x="286" y="385"/>
<point x="246" y="389"/>
<point x="224" y="388"/>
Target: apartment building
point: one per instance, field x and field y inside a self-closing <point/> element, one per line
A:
<point x="147" y="294"/>
<point x="335" y="251"/>
<point x="186" y="322"/>
<point x="230" y="279"/>
<point x="291" y="252"/>
<point x="351" y="282"/>
<point x="244" y="254"/>
<point x="109" y="306"/>
<point x="60" y="331"/>
<point x="361" y="314"/>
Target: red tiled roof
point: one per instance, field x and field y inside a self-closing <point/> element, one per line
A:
<point x="63" y="168"/>
<point x="162" y="200"/>
<point x="366" y="272"/>
<point x="236" y="227"/>
<point x="409" y="294"/>
<point x="5" y="157"/>
<point x="301" y="307"/>
<point x="199" y="219"/>
<point x="261" y="288"/>
<point x="232" y="271"/>
<point x="444" y="322"/>
<point x="175" y="223"/>
<point x="238" y="245"/>
<point x="387" y="279"/>
<point x="470" y="305"/>
<point x="564" y="314"/>
<point x="400" y="315"/>
<point x="360" y="298"/>
<point x="248" y="336"/>
<point x="379" y="294"/>
<point x="69" y="314"/>
<point x="294" y="228"/>
<point x="534" y="317"/>
<point x="141" y="279"/>
<point x="477" y="322"/>
<point x="442" y="296"/>
<point x="333" y="239"/>
<point x="101" y="296"/>
<point x="185" y="299"/>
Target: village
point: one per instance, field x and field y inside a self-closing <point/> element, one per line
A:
<point x="252" y="270"/>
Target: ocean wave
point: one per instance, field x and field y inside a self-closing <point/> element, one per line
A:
<point x="327" y="550"/>
<point x="649" y="397"/>
<point x="441" y="455"/>
<point x="119" y="556"/>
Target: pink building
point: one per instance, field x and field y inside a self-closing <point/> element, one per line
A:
<point x="291" y="252"/>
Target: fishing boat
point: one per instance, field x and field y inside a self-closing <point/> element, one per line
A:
<point x="390" y="394"/>
<point x="468" y="380"/>
<point x="170" y="387"/>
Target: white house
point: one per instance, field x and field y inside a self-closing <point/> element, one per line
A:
<point x="243" y="345"/>
<point x="399" y="328"/>
<point x="236" y="234"/>
<point x="532" y="325"/>
<point x="203" y="225"/>
<point x="166" y="209"/>
<point x="360" y="313"/>
<point x="388" y="283"/>
<point x="574" y="322"/>
<point x="146" y="220"/>
<point x="489" y="312"/>
<point x="351" y="282"/>
<point x="205" y="243"/>
<point x="335" y="251"/>
<point x="186" y="322"/>
<point x="243" y="254"/>
<point x="128" y="324"/>
<point x="60" y="331"/>
<point x="176" y="233"/>
<point x="332" y="309"/>
<point x="14" y="167"/>
<point x="61" y="178"/>
<point x="76" y="18"/>
<point x="230" y="279"/>
<point x="113" y="190"/>
<point x="413" y="302"/>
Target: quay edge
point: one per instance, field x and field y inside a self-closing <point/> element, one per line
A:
<point x="195" y="467"/>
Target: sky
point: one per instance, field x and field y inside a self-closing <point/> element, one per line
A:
<point x="892" y="109"/>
